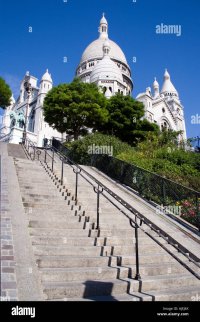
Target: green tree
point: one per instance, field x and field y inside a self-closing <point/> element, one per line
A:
<point x="125" y="122"/>
<point x="5" y="94"/>
<point x="72" y="108"/>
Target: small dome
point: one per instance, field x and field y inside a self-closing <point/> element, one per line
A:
<point x="168" y="87"/>
<point x="155" y="84"/>
<point x="103" y="20"/>
<point x="106" y="69"/>
<point x="166" y="74"/>
<point x="47" y="77"/>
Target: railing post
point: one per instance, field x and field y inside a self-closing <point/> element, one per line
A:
<point x="164" y="192"/>
<point x="137" y="276"/>
<point x="198" y="212"/>
<point x="52" y="162"/>
<point x="62" y="171"/>
<point x="34" y="148"/>
<point x="98" y="192"/>
<point x="135" y="225"/>
<point x="76" y="190"/>
<point x="77" y="171"/>
<point x="97" y="227"/>
<point x="45" y="156"/>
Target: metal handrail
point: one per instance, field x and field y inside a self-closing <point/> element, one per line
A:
<point x="139" y="216"/>
<point x="100" y="189"/>
<point x="3" y="136"/>
<point x="28" y="144"/>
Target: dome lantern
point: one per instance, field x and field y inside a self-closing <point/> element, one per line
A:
<point x="103" y="28"/>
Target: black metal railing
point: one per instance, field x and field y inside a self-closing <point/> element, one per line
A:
<point x="173" y="198"/>
<point x="32" y="149"/>
<point x="170" y="197"/>
<point x="121" y="205"/>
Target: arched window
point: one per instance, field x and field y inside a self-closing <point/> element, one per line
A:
<point x="104" y="89"/>
<point x="31" y="125"/>
<point x="165" y="126"/>
<point x="110" y="88"/>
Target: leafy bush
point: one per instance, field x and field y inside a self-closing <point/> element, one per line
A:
<point x="79" y="148"/>
<point x="189" y="211"/>
<point x="168" y="161"/>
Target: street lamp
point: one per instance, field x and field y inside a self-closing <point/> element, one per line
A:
<point x="28" y="89"/>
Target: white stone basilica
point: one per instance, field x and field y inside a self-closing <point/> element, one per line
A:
<point x="103" y="63"/>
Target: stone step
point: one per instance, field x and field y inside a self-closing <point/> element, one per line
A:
<point x="27" y="191"/>
<point x="65" y="224"/>
<point x="46" y="205"/>
<point x="111" y="225"/>
<point x="189" y="293"/>
<point x="134" y="297"/>
<point x="89" y="241"/>
<point x="144" y="258"/>
<point x="162" y="282"/>
<point x="129" y="232"/>
<point x="45" y="261"/>
<point x="117" y="241"/>
<point x="75" y="251"/>
<point x="67" y="217"/>
<point x="46" y="200"/>
<point x="60" y="241"/>
<point x="181" y="294"/>
<point x="64" y="213"/>
<point x="156" y="269"/>
<point x="59" y="225"/>
<point x="47" y="195"/>
<point x="78" y="274"/>
<point x="129" y="250"/>
<point x="84" y="289"/>
<point x="52" y="232"/>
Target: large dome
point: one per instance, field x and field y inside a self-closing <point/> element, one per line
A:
<point x="94" y="51"/>
<point x="116" y="69"/>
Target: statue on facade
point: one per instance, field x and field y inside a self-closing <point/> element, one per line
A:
<point x="17" y="119"/>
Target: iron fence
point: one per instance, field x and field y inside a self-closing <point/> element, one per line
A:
<point x="171" y="198"/>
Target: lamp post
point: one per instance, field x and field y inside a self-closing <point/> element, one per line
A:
<point x="28" y="89"/>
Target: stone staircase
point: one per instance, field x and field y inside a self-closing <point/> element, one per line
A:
<point x="76" y="262"/>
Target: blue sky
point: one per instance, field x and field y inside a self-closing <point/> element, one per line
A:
<point x="64" y="29"/>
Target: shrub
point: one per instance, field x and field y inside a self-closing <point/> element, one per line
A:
<point x="79" y="148"/>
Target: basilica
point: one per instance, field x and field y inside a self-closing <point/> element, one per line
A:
<point x="103" y="63"/>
